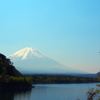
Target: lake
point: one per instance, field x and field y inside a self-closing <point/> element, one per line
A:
<point x="49" y="92"/>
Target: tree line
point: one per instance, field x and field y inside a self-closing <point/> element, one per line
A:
<point x="60" y="79"/>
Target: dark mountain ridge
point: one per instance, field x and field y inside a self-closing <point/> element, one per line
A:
<point x="7" y="68"/>
<point x="10" y="76"/>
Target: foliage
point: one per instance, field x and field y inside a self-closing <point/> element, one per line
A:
<point x="7" y="68"/>
<point x="11" y="81"/>
<point x="10" y="76"/>
<point x="60" y="79"/>
<point x="92" y="93"/>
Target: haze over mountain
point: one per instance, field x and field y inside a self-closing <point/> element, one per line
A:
<point x="30" y="60"/>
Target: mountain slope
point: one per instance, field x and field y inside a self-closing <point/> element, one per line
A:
<point x="30" y="60"/>
<point x="10" y="77"/>
<point x="6" y="67"/>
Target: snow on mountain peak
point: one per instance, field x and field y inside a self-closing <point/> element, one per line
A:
<point x="27" y="52"/>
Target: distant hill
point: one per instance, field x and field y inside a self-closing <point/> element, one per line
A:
<point x="86" y="75"/>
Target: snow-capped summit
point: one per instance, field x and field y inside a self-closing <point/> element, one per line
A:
<point x="27" y="52"/>
<point x="30" y="60"/>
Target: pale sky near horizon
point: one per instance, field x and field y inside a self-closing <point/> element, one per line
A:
<point x="67" y="31"/>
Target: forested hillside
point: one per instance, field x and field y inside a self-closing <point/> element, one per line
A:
<point x="7" y="68"/>
<point x="10" y="76"/>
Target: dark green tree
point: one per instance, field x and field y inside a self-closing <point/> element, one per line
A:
<point x="7" y="68"/>
<point x="10" y="76"/>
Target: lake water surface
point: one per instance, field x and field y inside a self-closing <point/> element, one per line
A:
<point x="49" y="92"/>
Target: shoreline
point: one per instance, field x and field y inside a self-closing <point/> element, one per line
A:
<point x="17" y="87"/>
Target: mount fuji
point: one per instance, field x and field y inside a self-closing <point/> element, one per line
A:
<point x="31" y="61"/>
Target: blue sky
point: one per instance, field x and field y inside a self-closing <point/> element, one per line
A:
<point x="67" y="31"/>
